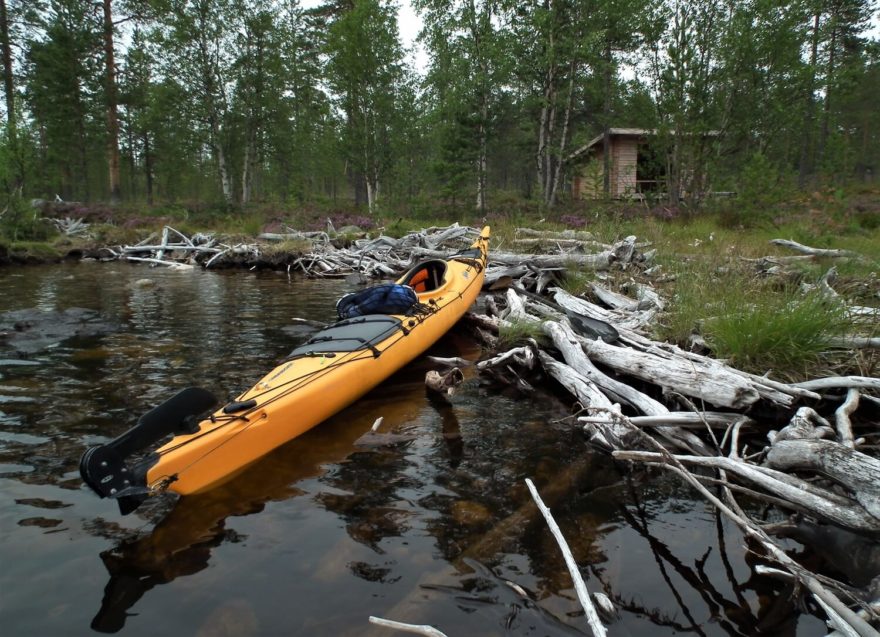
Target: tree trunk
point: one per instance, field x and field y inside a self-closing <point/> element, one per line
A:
<point x="148" y="168"/>
<point x="805" y="168"/>
<point x="7" y="67"/>
<point x="246" y="174"/>
<point x="563" y="140"/>
<point x="542" y="133"/>
<point x="606" y="124"/>
<point x="225" y="178"/>
<point x="483" y="131"/>
<point x="826" y="104"/>
<point x="481" y="169"/>
<point x="371" y="201"/>
<point x="857" y="471"/>
<point x="112" y="118"/>
<point x="548" y="156"/>
<point x="9" y="86"/>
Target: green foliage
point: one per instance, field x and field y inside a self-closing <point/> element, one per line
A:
<point x="246" y="225"/>
<point x="760" y="190"/>
<point x="763" y="330"/>
<point x="698" y="283"/>
<point x="577" y="282"/>
<point x="37" y="250"/>
<point x="21" y="222"/>
<point x="254" y="101"/>
<point x="519" y="333"/>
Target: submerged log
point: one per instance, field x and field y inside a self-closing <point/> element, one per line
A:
<point x="445" y="383"/>
<point x="801" y="495"/>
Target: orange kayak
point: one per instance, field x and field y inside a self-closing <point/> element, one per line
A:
<point x="331" y="370"/>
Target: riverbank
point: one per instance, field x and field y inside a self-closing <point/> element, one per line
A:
<point x="706" y="266"/>
<point x="45" y="232"/>
<point x="674" y="276"/>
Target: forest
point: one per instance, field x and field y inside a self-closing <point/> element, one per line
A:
<point x="235" y="103"/>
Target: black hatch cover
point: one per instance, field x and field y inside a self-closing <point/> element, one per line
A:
<point x="350" y="335"/>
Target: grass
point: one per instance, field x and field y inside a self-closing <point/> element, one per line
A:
<point x="36" y="250"/>
<point x="519" y="333"/>
<point x="576" y="281"/>
<point x="287" y="246"/>
<point x="785" y="333"/>
<point x="759" y="324"/>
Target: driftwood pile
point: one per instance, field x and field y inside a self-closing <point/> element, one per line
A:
<point x="807" y="449"/>
<point x="655" y="404"/>
<point x="322" y="254"/>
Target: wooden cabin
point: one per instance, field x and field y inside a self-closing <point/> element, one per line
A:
<point x="634" y="169"/>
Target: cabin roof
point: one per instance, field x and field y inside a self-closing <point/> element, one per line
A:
<point x="614" y="132"/>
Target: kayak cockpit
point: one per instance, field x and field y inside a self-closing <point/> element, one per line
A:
<point x="426" y="276"/>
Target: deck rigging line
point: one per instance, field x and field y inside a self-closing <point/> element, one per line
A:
<point x="299" y="382"/>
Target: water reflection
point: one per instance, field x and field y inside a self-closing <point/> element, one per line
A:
<point x="181" y="542"/>
<point x="428" y="523"/>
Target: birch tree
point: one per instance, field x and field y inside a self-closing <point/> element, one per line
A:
<point x="684" y="76"/>
<point x="198" y="42"/>
<point x="552" y="39"/>
<point x="464" y="36"/>
<point x="365" y="69"/>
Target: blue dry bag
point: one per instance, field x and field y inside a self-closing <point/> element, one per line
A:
<point x="388" y="298"/>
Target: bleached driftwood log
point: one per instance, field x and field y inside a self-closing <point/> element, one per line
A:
<point x="858" y="472"/>
<point x="174" y="265"/>
<point x="415" y="629"/>
<point x="667" y="374"/>
<point x="522" y="356"/>
<point x="842" y="418"/>
<point x="840" y="615"/>
<point x="688" y="419"/>
<point x="798" y="494"/>
<point x="295" y="235"/>
<point x="69" y="226"/>
<point x="815" y="252"/>
<point x="569" y="344"/>
<point x="838" y="382"/>
<point x="613" y="299"/>
<point x="782" y="394"/>
<point x="583" y="595"/>
<point x="578" y="235"/>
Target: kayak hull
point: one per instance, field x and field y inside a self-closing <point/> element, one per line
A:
<point x="317" y="381"/>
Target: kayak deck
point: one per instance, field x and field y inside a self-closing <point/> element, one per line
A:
<point x="335" y="367"/>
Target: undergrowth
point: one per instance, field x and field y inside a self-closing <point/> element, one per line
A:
<point x="783" y="333"/>
<point x="518" y="333"/>
<point x="757" y="325"/>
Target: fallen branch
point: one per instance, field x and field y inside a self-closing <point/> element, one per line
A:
<point x="417" y="629"/>
<point x="815" y="252"/>
<point x="841" y="616"/>
<point x="836" y="382"/>
<point x="175" y="265"/>
<point x="579" y="586"/>
<point x="858" y="472"/>
<point x="805" y="496"/>
<point x="841" y="418"/>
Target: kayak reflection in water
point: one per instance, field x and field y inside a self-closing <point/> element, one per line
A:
<point x="182" y="542"/>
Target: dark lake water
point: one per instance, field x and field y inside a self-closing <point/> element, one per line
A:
<point x="321" y="534"/>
